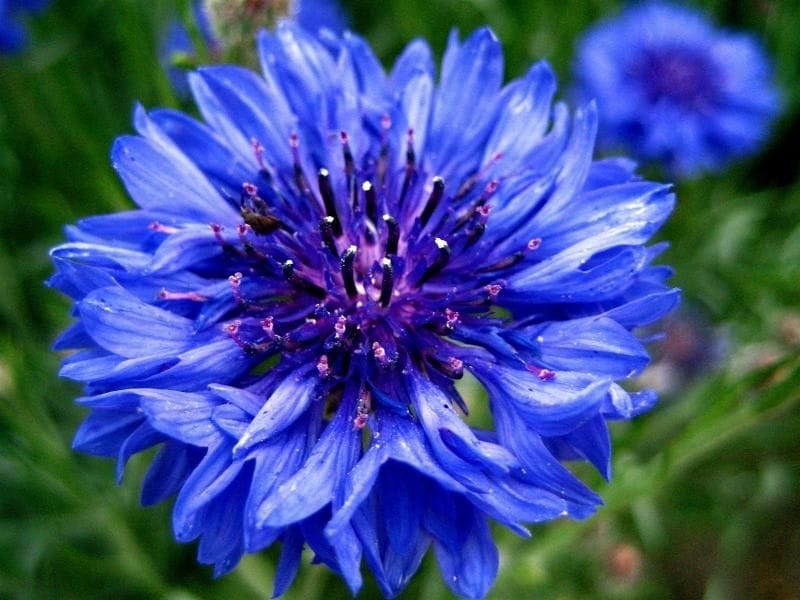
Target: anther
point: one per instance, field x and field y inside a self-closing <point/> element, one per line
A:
<point x="433" y="200"/>
<point x="322" y="366"/>
<point x="236" y="284"/>
<point x="543" y="374"/>
<point x="380" y="353"/>
<point x="481" y="216"/>
<point x="387" y="284"/>
<point x="349" y="169"/>
<point x="349" y="164"/>
<point x="393" y="235"/>
<point x="494" y="290"/>
<point x="534" y="244"/>
<point x="250" y="189"/>
<point x="268" y="325"/>
<point x="411" y="159"/>
<point x="288" y="269"/>
<point x="347" y="271"/>
<point x="362" y="410"/>
<point x="217" y="230"/>
<point x="299" y="176"/>
<point x="504" y="263"/>
<point x="439" y="262"/>
<point x="301" y="283"/>
<point x="232" y="329"/>
<point x="161" y="228"/>
<point x="451" y="318"/>
<point x="547" y="375"/>
<point x="258" y="150"/>
<point x="328" y="199"/>
<point x="455" y="367"/>
<point x="489" y="191"/>
<point x="411" y="162"/>
<point x="371" y="201"/>
<point x="340" y="327"/>
<point x="380" y="171"/>
<point x="326" y="232"/>
<point x="164" y="294"/>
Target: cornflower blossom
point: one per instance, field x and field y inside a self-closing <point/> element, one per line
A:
<point x="310" y="270"/>
<point x="673" y="88"/>
<point x="13" y="36"/>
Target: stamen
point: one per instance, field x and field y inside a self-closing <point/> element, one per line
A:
<point x="340" y="327"/>
<point x="236" y="283"/>
<point x="383" y="157"/>
<point x="232" y="329"/>
<point x="193" y="296"/>
<point x="301" y="283"/>
<point x="347" y="271"/>
<point x="451" y="317"/>
<point x="393" y="236"/>
<point x="475" y="232"/>
<point x="543" y="374"/>
<point x="411" y="162"/>
<point x="504" y="263"/>
<point x="380" y="353"/>
<point x="326" y="231"/>
<point x="322" y="366"/>
<point x="371" y="201"/>
<point x="299" y="176"/>
<point x="161" y="228"/>
<point x="328" y="199"/>
<point x="515" y="258"/>
<point x="439" y="262"/>
<point x="387" y="284"/>
<point x="258" y="150"/>
<point x="268" y="325"/>
<point x="349" y="164"/>
<point x="349" y="169"/>
<point x="433" y="200"/>
<point x="250" y="189"/>
<point x="489" y="191"/>
<point x="288" y="269"/>
<point x="217" y="229"/>
<point x="362" y="410"/>
<point x="455" y="367"/>
<point x="470" y="183"/>
<point x="494" y="290"/>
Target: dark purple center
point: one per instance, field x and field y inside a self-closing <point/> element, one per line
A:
<point x="679" y="75"/>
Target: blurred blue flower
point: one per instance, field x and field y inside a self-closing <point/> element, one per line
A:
<point x="13" y="36"/>
<point x="311" y="269"/>
<point x="670" y="87"/>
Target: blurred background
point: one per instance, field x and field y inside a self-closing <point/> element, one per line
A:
<point x="704" y="501"/>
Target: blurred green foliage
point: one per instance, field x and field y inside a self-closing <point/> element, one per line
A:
<point x="706" y="488"/>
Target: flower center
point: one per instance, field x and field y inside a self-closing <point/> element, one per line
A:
<point x="363" y="274"/>
<point x="677" y="74"/>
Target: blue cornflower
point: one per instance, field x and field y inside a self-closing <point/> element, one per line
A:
<point x="311" y="269"/>
<point x="13" y="36"/>
<point x="672" y="88"/>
